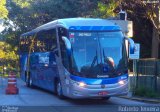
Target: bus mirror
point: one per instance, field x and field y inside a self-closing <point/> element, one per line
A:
<point x="131" y="45"/>
<point x="67" y="43"/>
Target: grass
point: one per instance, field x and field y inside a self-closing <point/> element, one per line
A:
<point x="145" y="92"/>
<point x="6" y="75"/>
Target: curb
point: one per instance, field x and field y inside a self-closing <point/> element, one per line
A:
<point x="141" y="99"/>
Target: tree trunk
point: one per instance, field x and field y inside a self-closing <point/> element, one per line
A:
<point x="155" y="35"/>
<point x="155" y="43"/>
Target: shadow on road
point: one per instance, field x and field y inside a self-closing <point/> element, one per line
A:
<point x="89" y="102"/>
<point x="93" y="101"/>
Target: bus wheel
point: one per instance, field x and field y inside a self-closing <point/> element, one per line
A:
<point x="30" y="81"/>
<point x="59" y="90"/>
<point x="27" y="80"/>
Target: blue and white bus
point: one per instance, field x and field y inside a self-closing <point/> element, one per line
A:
<point x="77" y="58"/>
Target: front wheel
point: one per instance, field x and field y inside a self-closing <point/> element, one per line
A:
<point x="29" y="81"/>
<point x="59" y="90"/>
<point x="27" y="78"/>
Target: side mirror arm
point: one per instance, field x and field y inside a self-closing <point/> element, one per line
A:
<point x="132" y="45"/>
<point x="67" y="44"/>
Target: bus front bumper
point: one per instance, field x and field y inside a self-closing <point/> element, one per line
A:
<point x="98" y="91"/>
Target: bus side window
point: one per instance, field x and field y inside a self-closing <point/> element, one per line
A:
<point x="40" y="41"/>
<point x="46" y="41"/>
<point x="31" y="43"/>
<point x="62" y="32"/>
<point x="51" y="39"/>
<point x="26" y="44"/>
<point x="22" y="45"/>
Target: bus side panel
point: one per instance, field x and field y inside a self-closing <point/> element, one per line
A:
<point x="52" y="71"/>
<point x="44" y="70"/>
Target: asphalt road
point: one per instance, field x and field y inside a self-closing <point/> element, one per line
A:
<point x="41" y="99"/>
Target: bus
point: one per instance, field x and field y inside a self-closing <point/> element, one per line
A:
<point x="76" y="58"/>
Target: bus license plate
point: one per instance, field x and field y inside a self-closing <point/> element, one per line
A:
<point x="102" y="93"/>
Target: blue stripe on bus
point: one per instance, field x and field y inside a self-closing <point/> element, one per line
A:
<point x="95" y="28"/>
<point x="100" y="81"/>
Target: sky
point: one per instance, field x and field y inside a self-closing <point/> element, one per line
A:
<point x="1" y="26"/>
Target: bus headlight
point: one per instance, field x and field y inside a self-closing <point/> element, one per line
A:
<point x="82" y="84"/>
<point x="121" y="82"/>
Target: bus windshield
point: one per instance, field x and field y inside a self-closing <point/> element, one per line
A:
<point x="97" y="54"/>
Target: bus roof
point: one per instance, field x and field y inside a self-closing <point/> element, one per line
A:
<point x="77" y="24"/>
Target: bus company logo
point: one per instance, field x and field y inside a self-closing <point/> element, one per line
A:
<point x="102" y="76"/>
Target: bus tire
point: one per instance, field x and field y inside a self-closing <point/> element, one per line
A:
<point x="30" y="81"/>
<point x="27" y="79"/>
<point x="59" y="90"/>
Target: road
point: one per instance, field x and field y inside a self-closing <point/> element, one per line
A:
<point x="38" y="97"/>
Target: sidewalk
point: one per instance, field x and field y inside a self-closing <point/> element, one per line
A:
<point x="142" y="99"/>
<point x="3" y="84"/>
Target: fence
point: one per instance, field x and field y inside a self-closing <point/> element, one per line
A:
<point x="146" y="74"/>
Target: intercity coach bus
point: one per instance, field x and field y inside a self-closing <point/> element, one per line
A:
<point x="77" y="58"/>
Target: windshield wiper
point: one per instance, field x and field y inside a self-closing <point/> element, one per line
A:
<point x="104" y="56"/>
<point x="94" y="60"/>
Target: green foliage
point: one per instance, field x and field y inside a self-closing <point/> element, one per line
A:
<point x="7" y="53"/>
<point x="8" y="56"/>
<point x="23" y="3"/>
<point x="106" y="10"/>
<point x="143" y="15"/>
<point x="28" y="14"/>
<point x="3" y="10"/>
<point x="146" y="92"/>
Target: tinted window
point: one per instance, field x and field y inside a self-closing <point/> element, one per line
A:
<point x="25" y="42"/>
<point x="41" y="42"/>
<point x="45" y="41"/>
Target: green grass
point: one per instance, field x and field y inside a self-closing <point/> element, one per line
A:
<point x="145" y="92"/>
<point x="6" y="75"/>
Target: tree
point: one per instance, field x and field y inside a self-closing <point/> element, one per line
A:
<point x="144" y="14"/>
<point x="153" y="14"/>
<point x="148" y="10"/>
<point x="3" y="10"/>
<point x="8" y="56"/>
<point x="29" y="14"/>
<point x="106" y="9"/>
